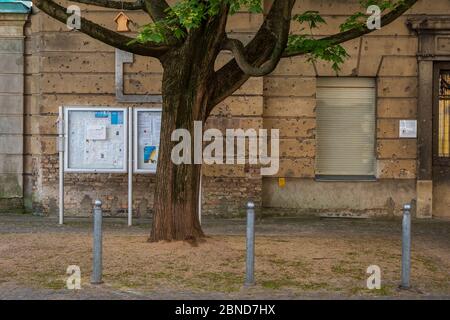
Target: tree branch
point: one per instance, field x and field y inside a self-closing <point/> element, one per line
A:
<point x="230" y="77"/>
<point x="158" y="11"/>
<point x="113" y="4"/>
<point x="100" y="33"/>
<point x="356" y="33"/>
<point x="156" y="8"/>
<point x="280" y="34"/>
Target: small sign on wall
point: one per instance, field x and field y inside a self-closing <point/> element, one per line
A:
<point x="408" y="129"/>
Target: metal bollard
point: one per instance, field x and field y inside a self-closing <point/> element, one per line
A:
<point x="250" y="268"/>
<point x="406" y="246"/>
<point x="96" y="277"/>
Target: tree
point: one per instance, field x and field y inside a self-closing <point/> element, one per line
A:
<point x="187" y="38"/>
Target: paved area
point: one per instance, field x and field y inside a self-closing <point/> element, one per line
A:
<point x="25" y="223"/>
<point x="102" y="292"/>
<point x="431" y="236"/>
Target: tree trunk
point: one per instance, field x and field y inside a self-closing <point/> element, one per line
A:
<point x="177" y="186"/>
<point x="176" y="201"/>
<point x="186" y="90"/>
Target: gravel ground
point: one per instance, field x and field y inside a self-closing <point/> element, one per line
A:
<point x="319" y="243"/>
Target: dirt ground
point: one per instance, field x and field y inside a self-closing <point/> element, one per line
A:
<point x="296" y="258"/>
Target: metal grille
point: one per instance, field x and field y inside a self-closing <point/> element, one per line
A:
<point x="444" y="115"/>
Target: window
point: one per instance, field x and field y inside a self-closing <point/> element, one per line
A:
<point x="346" y="129"/>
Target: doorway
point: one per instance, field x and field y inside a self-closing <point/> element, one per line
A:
<point x="441" y="140"/>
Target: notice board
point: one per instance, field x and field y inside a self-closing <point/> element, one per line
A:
<point x="147" y="131"/>
<point x="95" y="139"/>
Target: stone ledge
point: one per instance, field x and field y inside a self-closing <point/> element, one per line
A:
<point x="429" y="23"/>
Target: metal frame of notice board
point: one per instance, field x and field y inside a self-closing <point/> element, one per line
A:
<point x="133" y="154"/>
<point x="104" y="110"/>
<point x="136" y="154"/>
<point x="64" y="144"/>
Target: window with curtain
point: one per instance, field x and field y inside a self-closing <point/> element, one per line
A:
<point x="346" y="124"/>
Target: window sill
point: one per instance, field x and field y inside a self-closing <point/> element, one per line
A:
<point x="330" y="178"/>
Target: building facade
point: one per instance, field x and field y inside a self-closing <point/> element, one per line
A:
<point x="361" y="142"/>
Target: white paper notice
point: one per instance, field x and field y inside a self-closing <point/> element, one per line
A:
<point x="156" y="128"/>
<point x="96" y="132"/>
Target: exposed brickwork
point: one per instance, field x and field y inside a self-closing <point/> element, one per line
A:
<point x="81" y="190"/>
<point x="222" y="196"/>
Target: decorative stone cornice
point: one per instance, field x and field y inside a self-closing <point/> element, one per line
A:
<point x="11" y="24"/>
<point x="429" y="23"/>
<point x="434" y="36"/>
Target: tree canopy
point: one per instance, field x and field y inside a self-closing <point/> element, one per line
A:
<point x="169" y="26"/>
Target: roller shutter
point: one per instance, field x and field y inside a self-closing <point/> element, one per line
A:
<point x="346" y="127"/>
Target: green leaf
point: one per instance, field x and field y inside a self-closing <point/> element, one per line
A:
<point x="313" y="18"/>
<point x="319" y="49"/>
<point x="189" y="14"/>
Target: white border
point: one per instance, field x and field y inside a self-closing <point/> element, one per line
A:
<point x="136" y="139"/>
<point x="67" y="109"/>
